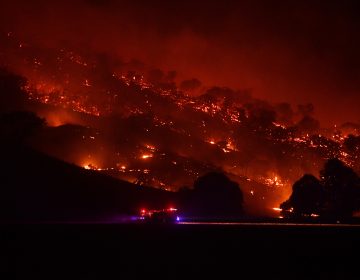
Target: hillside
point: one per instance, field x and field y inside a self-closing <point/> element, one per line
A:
<point x="43" y="188"/>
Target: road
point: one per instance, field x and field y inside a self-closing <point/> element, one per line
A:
<point x="272" y="224"/>
<point x="177" y="251"/>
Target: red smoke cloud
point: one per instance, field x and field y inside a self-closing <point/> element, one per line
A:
<point x="298" y="53"/>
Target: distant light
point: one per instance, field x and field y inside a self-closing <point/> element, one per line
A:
<point x="178" y="219"/>
<point x="212" y="142"/>
<point x="277" y="209"/>
<point x="123" y="167"/>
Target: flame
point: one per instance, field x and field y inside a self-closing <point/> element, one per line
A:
<point x="146" y="156"/>
<point x="92" y="167"/>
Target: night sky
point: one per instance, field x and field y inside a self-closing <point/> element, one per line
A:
<point x="300" y="52"/>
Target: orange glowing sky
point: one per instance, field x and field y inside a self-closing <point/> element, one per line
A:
<point x="297" y="53"/>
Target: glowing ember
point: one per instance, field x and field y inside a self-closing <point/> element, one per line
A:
<point x="275" y="181"/>
<point x="146" y="156"/>
<point x="87" y="167"/>
<point x="151" y="147"/>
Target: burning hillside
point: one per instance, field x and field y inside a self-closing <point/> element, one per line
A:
<point x="136" y="123"/>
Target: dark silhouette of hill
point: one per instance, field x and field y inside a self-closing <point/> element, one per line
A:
<point x="42" y="188"/>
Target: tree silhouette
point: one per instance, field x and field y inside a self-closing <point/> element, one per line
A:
<point x="307" y="197"/>
<point x="190" y="84"/>
<point x="215" y="195"/>
<point x="343" y="187"/>
<point x="352" y="143"/>
<point x="336" y="195"/>
<point x="308" y="124"/>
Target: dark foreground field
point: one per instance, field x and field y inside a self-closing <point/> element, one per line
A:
<point x="135" y="251"/>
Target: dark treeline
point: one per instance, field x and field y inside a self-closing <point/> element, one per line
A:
<point x="335" y="195"/>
